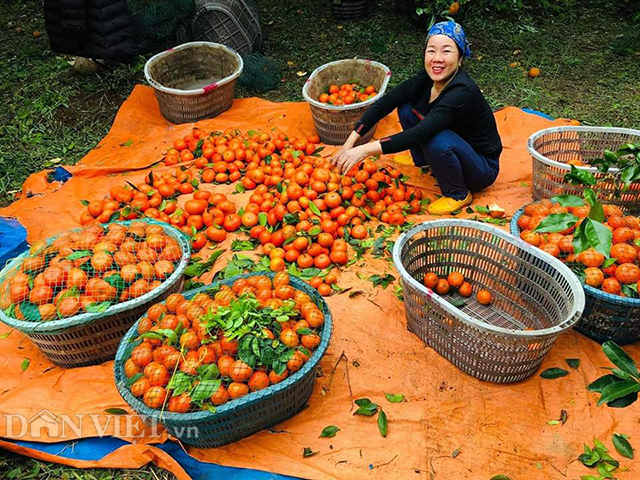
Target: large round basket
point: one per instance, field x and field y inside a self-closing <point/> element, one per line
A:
<point x="334" y="123"/>
<point x="93" y="338"/>
<point x="350" y="9"/>
<point x="554" y="149"/>
<point x="194" y="80"/>
<point x="233" y="23"/>
<point x="238" y="418"/>
<point x="535" y="298"/>
<point x="606" y="316"/>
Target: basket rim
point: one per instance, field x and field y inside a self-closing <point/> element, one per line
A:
<point x="572" y="317"/>
<point x="573" y="128"/>
<point x="57" y="326"/>
<point x="198" y="91"/>
<point x="589" y="290"/>
<point x="353" y="106"/>
<point x="203" y="416"/>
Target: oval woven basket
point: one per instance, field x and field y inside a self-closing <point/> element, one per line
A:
<point x="194" y="80"/>
<point x="606" y="316"/>
<point x="535" y="298"/>
<point x="238" y="418"/>
<point x="334" y="123"/>
<point x="93" y="338"/>
<point x="552" y="149"/>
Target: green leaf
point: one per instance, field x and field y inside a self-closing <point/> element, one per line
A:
<point x="365" y="407"/>
<point x="304" y="331"/>
<point x="135" y="378"/>
<point x="291" y="218"/>
<point x="30" y="311"/>
<point x="381" y="280"/>
<point x="590" y="457"/>
<point x="208" y="372"/>
<point x="500" y="477"/>
<point x="608" y="262"/>
<point x="573" y="362"/>
<point x="116" y="411"/>
<point x="395" y="398"/>
<point x="602" y="382"/>
<point x="25" y="364"/>
<point x="557" y="222"/>
<point x="239" y="188"/>
<point x="307" y="452"/>
<point x="617" y="390"/>
<point x="596" y="212"/>
<point x="329" y="431"/>
<point x="568" y="200"/>
<point x="204" y="390"/>
<point x="620" y="358"/>
<point x="482" y="209"/>
<point x="116" y="281"/>
<point x="592" y="234"/>
<point x="622" y="445"/>
<point x="314" y="208"/>
<point x="262" y="219"/>
<point x="315" y="231"/>
<point x="580" y="177"/>
<point x="84" y="202"/>
<point x="180" y="382"/>
<point x="98" y="307"/>
<point x="128" y="143"/>
<point x="242" y="245"/>
<point x="79" y="254"/>
<point x="555" y="372"/>
<point x="383" y="427"/>
<point x="5" y="334"/>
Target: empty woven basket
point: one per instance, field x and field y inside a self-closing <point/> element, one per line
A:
<point x="194" y="80"/>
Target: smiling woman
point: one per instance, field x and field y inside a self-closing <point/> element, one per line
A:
<point x="447" y="123"/>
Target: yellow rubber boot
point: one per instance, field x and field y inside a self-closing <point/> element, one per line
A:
<point x="448" y="205"/>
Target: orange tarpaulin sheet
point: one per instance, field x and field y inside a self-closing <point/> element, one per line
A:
<point x="493" y="428"/>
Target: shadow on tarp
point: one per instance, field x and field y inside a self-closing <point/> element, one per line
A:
<point x="93" y="449"/>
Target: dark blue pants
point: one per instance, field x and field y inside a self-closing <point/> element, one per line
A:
<point x="454" y="163"/>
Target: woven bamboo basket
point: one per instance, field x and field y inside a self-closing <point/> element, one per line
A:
<point x="238" y="418"/>
<point x="233" y="23"/>
<point x="93" y="338"/>
<point x="350" y="9"/>
<point x="194" y="80"/>
<point x="334" y="123"/>
<point x="535" y="298"/>
<point x="606" y="316"/>
<point x="553" y="149"/>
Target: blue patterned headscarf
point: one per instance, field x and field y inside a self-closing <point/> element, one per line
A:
<point x="455" y="32"/>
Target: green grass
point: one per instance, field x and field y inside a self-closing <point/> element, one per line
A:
<point x="48" y="112"/>
<point x="23" y="468"/>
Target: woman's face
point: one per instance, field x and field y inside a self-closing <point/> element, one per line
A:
<point x="441" y="58"/>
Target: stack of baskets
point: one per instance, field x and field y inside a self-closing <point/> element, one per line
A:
<point x="350" y="9"/>
<point x="194" y="80"/>
<point x="535" y="298"/>
<point x="244" y="416"/>
<point x="553" y="150"/>
<point x="334" y="123"/>
<point x="92" y="335"/>
<point x="233" y="23"/>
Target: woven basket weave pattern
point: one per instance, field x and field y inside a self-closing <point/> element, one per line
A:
<point x="179" y="76"/>
<point x="335" y="123"/>
<point x="606" y="316"/>
<point x="233" y="23"/>
<point x="93" y="338"/>
<point x="350" y="9"/>
<point x="242" y="417"/>
<point x="551" y="150"/>
<point x="534" y="298"/>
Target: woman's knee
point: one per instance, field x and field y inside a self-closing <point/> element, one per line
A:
<point x="441" y="143"/>
<point x="407" y="118"/>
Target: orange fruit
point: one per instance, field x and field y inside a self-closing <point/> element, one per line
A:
<point x="533" y="72"/>
<point x="442" y="287"/>
<point x="430" y="280"/>
<point x="455" y="279"/>
<point x="465" y="289"/>
<point x="484" y="297"/>
<point x="593" y="276"/>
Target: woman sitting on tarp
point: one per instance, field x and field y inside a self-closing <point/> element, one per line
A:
<point x="447" y="123"/>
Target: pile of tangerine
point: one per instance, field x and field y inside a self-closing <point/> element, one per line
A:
<point x="347" y="93"/>
<point x="154" y="362"/>
<point x="622" y="267"/>
<point x="455" y="280"/>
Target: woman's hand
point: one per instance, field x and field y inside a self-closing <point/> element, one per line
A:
<point x="347" y="159"/>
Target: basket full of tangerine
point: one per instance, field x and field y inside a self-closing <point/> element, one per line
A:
<point x="488" y="302"/>
<point x="224" y="361"/>
<point x="338" y="94"/>
<point x="75" y="295"/>
<point x="601" y="245"/>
